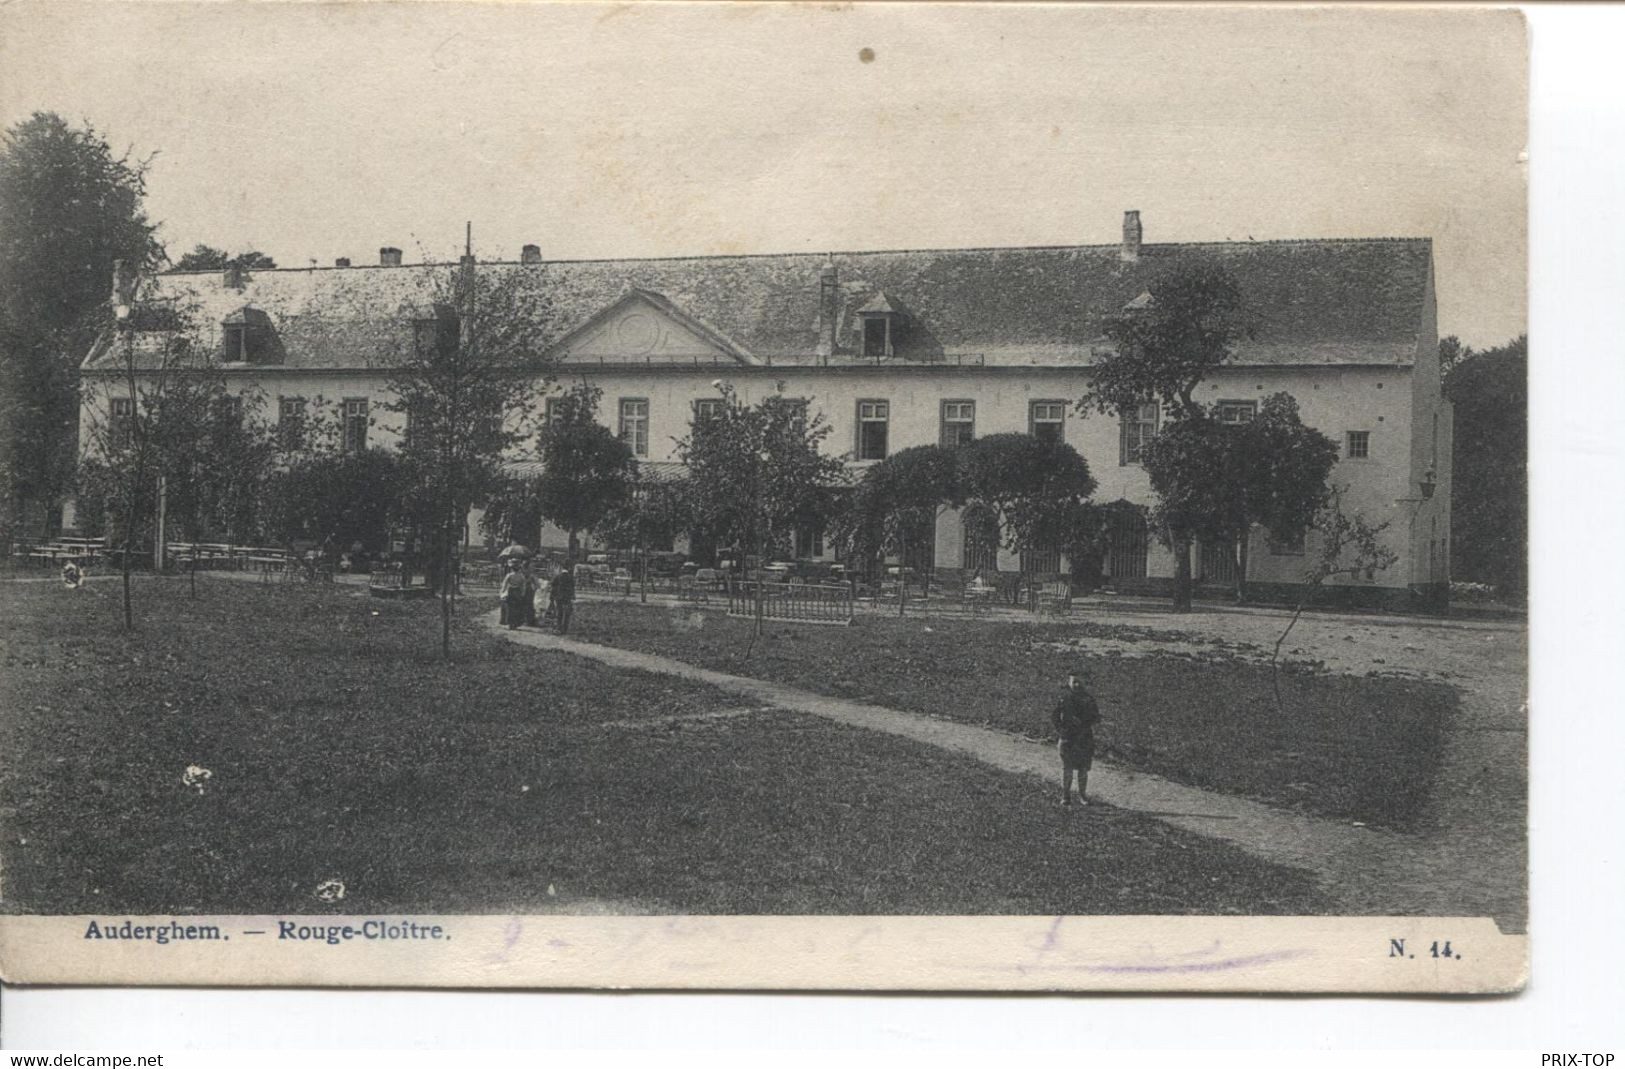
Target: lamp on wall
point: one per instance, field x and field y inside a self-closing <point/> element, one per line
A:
<point x="1428" y="482"/>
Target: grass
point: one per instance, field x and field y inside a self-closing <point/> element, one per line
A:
<point x="1357" y="748"/>
<point x="342" y="748"/>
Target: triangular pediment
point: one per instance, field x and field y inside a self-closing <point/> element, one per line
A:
<point x="643" y="327"/>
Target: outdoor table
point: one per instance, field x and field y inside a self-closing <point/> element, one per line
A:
<point x="265" y="565"/>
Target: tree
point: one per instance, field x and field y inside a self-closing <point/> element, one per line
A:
<point x="1489" y="497"/>
<point x="350" y="497"/>
<point x="896" y="501"/>
<point x="513" y="511"/>
<point x="652" y="513"/>
<point x="1185" y="328"/>
<point x="208" y="258"/>
<point x="587" y="471"/>
<point x="1348" y="546"/>
<point x="1217" y="481"/>
<point x="217" y="481"/>
<point x="1038" y="489"/>
<point x="143" y="421"/>
<point x="69" y="207"/>
<point x="757" y="471"/>
<point x="464" y="385"/>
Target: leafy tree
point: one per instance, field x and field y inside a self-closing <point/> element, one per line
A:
<point x="217" y="483"/>
<point x="513" y="511"/>
<point x="1185" y="329"/>
<point x="69" y="207"/>
<point x="144" y="420"/>
<point x="587" y="471"/>
<point x="651" y="514"/>
<point x="1489" y="501"/>
<point x="1217" y="481"/>
<point x="1195" y="471"/>
<point x="349" y="497"/>
<point x="1451" y="353"/>
<point x="757" y="471"/>
<point x="208" y="258"/>
<point x="896" y="504"/>
<point x="1038" y="489"/>
<point x="464" y="384"/>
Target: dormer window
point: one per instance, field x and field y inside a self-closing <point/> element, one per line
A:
<point x="880" y="319"/>
<point x="437" y="334"/>
<point x="247" y="338"/>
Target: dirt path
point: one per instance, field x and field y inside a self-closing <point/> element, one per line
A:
<point x="1368" y="870"/>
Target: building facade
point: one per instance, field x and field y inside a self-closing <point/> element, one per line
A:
<point x="897" y="349"/>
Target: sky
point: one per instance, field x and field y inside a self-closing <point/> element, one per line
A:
<point x="313" y="131"/>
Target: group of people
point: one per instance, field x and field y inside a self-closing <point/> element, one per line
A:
<point x="520" y="587"/>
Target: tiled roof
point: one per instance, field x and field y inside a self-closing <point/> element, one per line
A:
<point x="1318" y="301"/>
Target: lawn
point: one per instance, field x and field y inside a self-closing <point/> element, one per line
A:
<point x="1363" y="748"/>
<point x="341" y="748"/>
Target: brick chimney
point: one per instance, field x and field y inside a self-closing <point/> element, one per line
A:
<point x="232" y="276"/>
<point x="389" y="257"/>
<point x="530" y="254"/>
<point x="124" y="280"/>
<point x="829" y="308"/>
<point x="342" y="261"/>
<point x="1131" y="237"/>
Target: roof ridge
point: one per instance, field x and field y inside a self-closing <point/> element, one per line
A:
<point x="697" y="257"/>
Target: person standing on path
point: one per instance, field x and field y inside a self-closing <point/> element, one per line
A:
<point x="1075" y="718"/>
<point x="561" y="592"/>
<point x="514" y="592"/>
<point x="532" y="588"/>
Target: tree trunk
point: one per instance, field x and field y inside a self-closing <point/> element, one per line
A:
<point x="902" y="575"/>
<point x="1182" y="574"/>
<point x="448" y="584"/>
<point x="1243" y="546"/>
<point x="129" y="548"/>
<point x="570" y="551"/>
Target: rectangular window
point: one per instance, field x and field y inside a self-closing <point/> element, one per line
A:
<point x="121" y="417"/>
<point x="958" y="423"/>
<point x="635" y="425"/>
<point x="809" y="541"/>
<point x="1359" y="445"/>
<point x="435" y="337"/>
<point x="1046" y="420"/>
<point x="246" y="344"/>
<point x="355" y="424"/>
<point x="290" y="422"/>
<point x="1139" y="427"/>
<point x="873" y="417"/>
<point x="1237" y="411"/>
<point x="707" y="409"/>
<point x="1290" y="547"/>
<point x="796" y="406"/>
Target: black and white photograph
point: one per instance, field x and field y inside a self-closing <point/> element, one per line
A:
<point x="708" y="495"/>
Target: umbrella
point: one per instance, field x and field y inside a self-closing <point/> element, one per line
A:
<point x="515" y="550"/>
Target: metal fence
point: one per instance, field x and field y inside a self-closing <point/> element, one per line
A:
<point x="805" y="603"/>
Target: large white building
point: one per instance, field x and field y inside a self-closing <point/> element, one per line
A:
<point x="912" y="347"/>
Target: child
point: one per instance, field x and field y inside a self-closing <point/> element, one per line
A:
<point x="1075" y="719"/>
